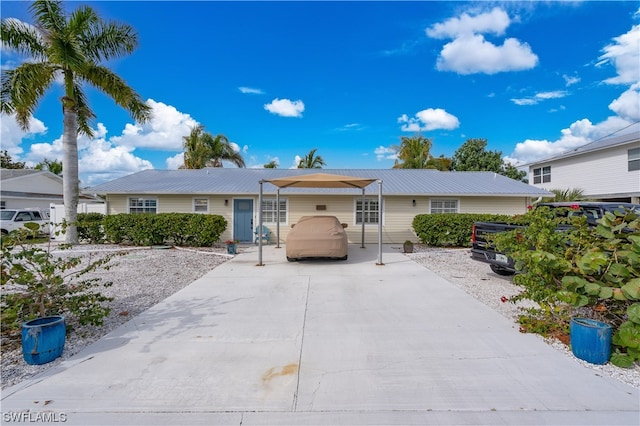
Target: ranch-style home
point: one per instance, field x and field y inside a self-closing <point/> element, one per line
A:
<point x="605" y="170"/>
<point x="234" y="193"/>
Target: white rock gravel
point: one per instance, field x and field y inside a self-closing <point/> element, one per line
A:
<point x="145" y="276"/>
<point x="141" y="278"/>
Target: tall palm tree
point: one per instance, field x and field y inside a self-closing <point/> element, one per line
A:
<point x="201" y="149"/>
<point x="413" y="153"/>
<point x="71" y="47"/>
<point x="311" y="161"/>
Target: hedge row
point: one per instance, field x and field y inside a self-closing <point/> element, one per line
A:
<point x="180" y="229"/>
<point x="454" y="229"/>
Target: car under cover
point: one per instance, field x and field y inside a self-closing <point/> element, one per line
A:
<point x="317" y="237"/>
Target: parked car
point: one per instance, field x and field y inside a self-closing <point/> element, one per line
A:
<point x="12" y="219"/>
<point x="502" y="264"/>
<point x="317" y="237"/>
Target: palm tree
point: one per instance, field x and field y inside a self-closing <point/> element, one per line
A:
<point x="201" y="149"/>
<point x="570" y="194"/>
<point x="71" y="47"/>
<point x="311" y="161"/>
<point x="413" y="153"/>
<point x="273" y="164"/>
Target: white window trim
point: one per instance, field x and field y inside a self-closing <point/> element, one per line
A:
<point x="286" y="210"/>
<point x="355" y="212"/>
<point x="431" y="201"/>
<point x="542" y="175"/>
<point x="144" y="198"/>
<point x="193" y="205"/>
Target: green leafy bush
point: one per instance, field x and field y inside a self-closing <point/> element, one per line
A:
<point x="453" y="229"/>
<point x="182" y="229"/>
<point x="90" y="227"/>
<point x="581" y="271"/>
<point x="37" y="283"/>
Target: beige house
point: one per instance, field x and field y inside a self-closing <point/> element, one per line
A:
<point x="233" y="193"/>
<point x="605" y="170"/>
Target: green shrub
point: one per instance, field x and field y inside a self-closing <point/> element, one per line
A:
<point x="582" y="271"/>
<point x="90" y="227"/>
<point x="453" y="229"/>
<point x="43" y="284"/>
<point x="182" y="229"/>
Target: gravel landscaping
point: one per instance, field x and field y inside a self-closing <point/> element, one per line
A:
<point x="143" y="277"/>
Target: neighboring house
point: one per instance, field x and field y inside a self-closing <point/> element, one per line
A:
<point x="32" y="189"/>
<point x="233" y="193"/>
<point x="605" y="170"/>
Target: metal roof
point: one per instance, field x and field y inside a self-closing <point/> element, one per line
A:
<point x="6" y="174"/>
<point x="246" y="181"/>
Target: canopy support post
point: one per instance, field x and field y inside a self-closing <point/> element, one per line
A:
<point x="363" y="201"/>
<point x="379" y="222"/>
<point x="260" y="226"/>
<point x="278" y="218"/>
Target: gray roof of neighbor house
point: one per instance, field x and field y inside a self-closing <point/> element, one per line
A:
<point x="6" y="174"/>
<point x="246" y="181"/>
<point x="596" y="145"/>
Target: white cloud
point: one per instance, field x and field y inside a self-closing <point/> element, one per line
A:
<point x="296" y="161"/>
<point x="627" y="106"/>
<point x="570" y="80"/>
<point x="539" y="97"/>
<point x="495" y="22"/>
<point x="625" y="56"/>
<point x="11" y="134"/>
<point x="471" y="53"/>
<point x="251" y="91"/>
<point x="163" y="132"/>
<point x="174" y="163"/>
<point x="285" y="107"/>
<point x="428" y="119"/>
<point x="384" y="153"/>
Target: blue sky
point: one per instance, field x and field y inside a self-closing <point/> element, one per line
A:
<point x="350" y="79"/>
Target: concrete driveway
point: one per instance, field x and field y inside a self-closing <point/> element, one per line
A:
<point x="321" y="342"/>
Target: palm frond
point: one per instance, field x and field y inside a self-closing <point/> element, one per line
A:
<point x="111" y="84"/>
<point x="23" y="38"/>
<point x="23" y="87"/>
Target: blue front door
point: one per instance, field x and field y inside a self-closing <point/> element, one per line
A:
<point x="243" y="220"/>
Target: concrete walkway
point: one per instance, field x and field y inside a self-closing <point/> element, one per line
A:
<point x="321" y="342"/>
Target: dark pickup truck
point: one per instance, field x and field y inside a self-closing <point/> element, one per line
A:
<point x="502" y="264"/>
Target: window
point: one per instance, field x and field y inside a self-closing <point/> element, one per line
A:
<point x="634" y="159"/>
<point x="444" y="206"/>
<point x="369" y="212"/>
<point x="3" y="205"/>
<point x="201" y="205"/>
<point x="542" y="174"/>
<point x="269" y="212"/>
<point x="143" y="205"/>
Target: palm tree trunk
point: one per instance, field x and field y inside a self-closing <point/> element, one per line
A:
<point x="70" y="181"/>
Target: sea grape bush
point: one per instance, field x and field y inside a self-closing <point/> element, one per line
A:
<point x="38" y="281"/>
<point x="580" y="271"/>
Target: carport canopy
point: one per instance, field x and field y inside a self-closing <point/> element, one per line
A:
<point x="321" y="180"/>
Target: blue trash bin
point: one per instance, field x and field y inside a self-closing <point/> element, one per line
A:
<point x="590" y="340"/>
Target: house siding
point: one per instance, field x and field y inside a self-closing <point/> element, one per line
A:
<point x="600" y="174"/>
<point x="397" y="215"/>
